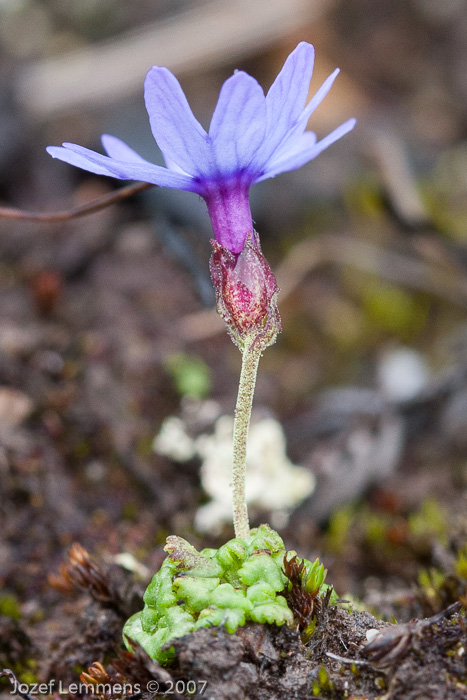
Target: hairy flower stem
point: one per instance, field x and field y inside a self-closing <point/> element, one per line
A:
<point x="246" y="389"/>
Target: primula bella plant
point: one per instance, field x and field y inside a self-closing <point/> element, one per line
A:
<point x="242" y="581"/>
<point x="251" y="137"/>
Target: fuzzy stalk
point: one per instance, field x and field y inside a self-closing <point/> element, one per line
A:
<point x="246" y="389"/>
<point x="246" y="293"/>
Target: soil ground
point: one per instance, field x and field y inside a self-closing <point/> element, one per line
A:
<point x="93" y="312"/>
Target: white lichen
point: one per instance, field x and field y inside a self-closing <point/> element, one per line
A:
<point x="273" y="483"/>
<point x="173" y="441"/>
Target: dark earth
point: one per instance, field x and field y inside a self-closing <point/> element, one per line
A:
<point x="103" y="318"/>
<point x="85" y="384"/>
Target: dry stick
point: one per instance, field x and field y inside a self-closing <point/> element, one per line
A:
<point x="8" y="673"/>
<point x="82" y="210"/>
<point x="344" y="660"/>
<point x="409" y="627"/>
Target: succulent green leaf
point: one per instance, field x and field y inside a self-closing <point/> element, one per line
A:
<point x="226" y="596"/>
<point x="195" y="592"/>
<point x="264" y="538"/>
<point x="242" y="581"/>
<point x="132" y="630"/>
<point x="187" y="558"/>
<point x="231" y="619"/>
<point x="261" y="567"/>
<point x="260" y="592"/>
<point x="149" y="619"/>
<point x="156" y="646"/>
<point x="273" y="613"/>
<point x="179" y="620"/>
<point x="159" y="593"/>
<point x="232" y="554"/>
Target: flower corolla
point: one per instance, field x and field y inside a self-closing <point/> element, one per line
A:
<point x="251" y="137"/>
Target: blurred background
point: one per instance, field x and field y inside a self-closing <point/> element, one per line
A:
<point x="115" y="372"/>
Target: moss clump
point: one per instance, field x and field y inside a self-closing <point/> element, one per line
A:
<point x="242" y="581"/>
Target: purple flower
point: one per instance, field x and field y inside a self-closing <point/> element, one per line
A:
<point x="251" y="137"/>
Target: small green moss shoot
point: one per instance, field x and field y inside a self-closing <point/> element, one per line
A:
<point x="9" y="606"/>
<point x="241" y="581"/>
<point x="323" y="683"/>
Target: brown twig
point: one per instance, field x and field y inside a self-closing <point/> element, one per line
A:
<point x="349" y="662"/>
<point x="391" y="644"/>
<point x="82" y="210"/>
<point x="8" y="673"/>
